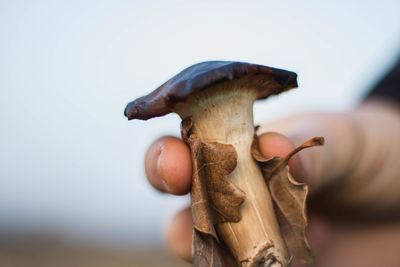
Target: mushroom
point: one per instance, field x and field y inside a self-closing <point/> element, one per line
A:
<point x="215" y="100"/>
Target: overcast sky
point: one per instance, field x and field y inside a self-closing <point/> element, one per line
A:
<point x="71" y="163"/>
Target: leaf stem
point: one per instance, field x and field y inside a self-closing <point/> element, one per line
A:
<point x="316" y="141"/>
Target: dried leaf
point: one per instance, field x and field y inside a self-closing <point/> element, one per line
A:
<point x="208" y="252"/>
<point x="289" y="198"/>
<point x="214" y="198"/>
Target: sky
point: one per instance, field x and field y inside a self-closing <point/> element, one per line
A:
<point x="71" y="164"/>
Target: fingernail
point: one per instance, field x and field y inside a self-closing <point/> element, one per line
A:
<point x="160" y="174"/>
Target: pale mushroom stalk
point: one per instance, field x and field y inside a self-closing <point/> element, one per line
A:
<point x="225" y="115"/>
<point x="218" y="98"/>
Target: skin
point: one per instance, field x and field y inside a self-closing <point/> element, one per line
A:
<point x="360" y="152"/>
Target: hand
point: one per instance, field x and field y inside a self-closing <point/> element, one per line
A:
<point x="351" y="169"/>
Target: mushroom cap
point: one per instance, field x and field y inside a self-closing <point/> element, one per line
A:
<point x="198" y="77"/>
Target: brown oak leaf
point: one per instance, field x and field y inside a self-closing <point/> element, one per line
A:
<point x="289" y="199"/>
<point x="214" y="198"/>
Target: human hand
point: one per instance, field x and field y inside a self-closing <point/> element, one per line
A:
<point x="350" y="153"/>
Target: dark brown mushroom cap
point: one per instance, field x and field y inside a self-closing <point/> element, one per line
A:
<point x="198" y="77"/>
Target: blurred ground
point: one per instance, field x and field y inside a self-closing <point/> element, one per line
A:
<point x="53" y="253"/>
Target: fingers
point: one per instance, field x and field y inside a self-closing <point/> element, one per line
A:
<point x="323" y="166"/>
<point x="179" y="234"/>
<point x="168" y="165"/>
<point x="169" y="169"/>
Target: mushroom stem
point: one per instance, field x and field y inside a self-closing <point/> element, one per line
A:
<point x="225" y="115"/>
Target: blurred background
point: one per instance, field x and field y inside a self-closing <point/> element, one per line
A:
<point x="72" y="184"/>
